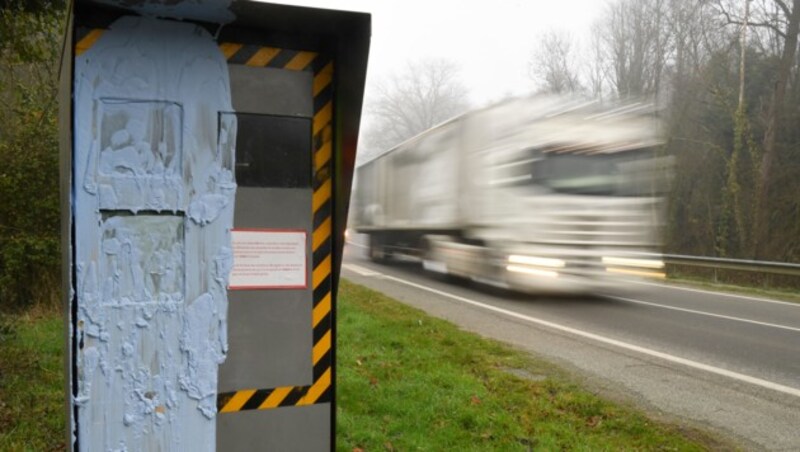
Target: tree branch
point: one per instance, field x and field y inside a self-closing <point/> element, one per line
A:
<point x="731" y="21"/>
<point x="782" y="5"/>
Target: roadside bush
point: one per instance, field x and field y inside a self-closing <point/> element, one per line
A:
<point x="30" y="45"/>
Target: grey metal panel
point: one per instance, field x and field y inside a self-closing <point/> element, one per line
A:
<point x="349" y="34"/>
<point x="270" y="340"/>
<point x="269" y="333"/>
<point x="272" y="208"/>
<point x="301" y="429"/>
<point x="271" y="91"/>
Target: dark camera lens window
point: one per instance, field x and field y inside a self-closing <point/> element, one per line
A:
<point x="273" y="151"/>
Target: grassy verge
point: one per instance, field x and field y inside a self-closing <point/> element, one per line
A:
<point x="407" y="381"/>
<point x="32" y="382"/>
<point x="791" y="295"/>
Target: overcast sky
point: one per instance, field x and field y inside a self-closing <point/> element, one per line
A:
<point x="491" y="41"/>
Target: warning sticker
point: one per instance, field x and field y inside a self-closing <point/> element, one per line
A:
<point x="268" y="259"/>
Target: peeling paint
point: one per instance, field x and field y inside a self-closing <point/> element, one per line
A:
<point x="143" y="258"/>
<point x="200" y="344"/>
<point x="153" y="210"/>
<point x="207" y="208"/>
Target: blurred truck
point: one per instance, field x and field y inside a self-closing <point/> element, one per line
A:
<point x="536" y="194"/>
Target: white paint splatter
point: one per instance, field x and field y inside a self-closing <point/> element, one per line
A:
<point x="153" y="210"/>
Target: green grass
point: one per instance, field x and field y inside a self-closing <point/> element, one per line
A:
<point x="32" y="410"/>
<point x="790" y="295"/>
<point x="407" y="381"/>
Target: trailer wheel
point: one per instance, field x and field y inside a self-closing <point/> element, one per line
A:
<point x="429" y="257"/>
<point x="376" y="250"/>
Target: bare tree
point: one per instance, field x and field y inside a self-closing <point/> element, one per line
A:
<point x="596" y="68"/>
<point x="427" y="93"/>
<point x="553" y="65"/>
<point x="781" y="21"/>
<point x="636" y="44"/>
<point x="775" y="112"/>
<point x="695" y="35"/>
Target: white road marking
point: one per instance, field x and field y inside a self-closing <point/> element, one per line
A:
<point x="711" y="292"/>
<point x="710" y="314"/>
<point x="361" y="270"/>
<point x="606" y="340"/>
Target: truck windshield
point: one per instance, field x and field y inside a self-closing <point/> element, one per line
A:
<point x="628" y="173"/>
<point x="579" y="174"/>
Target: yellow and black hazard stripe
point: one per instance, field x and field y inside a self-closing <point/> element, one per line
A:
<point x="85" y="38"/>
<point x="322" y="211"/>
<point x="320" y="391"/>
<point x="273" y="57"/>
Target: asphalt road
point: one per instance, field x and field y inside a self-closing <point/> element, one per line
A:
<point x="726" y="363"/>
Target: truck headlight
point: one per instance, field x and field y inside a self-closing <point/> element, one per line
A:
<point x="536" y="261"/>
<point x="634" y="272"/>
<point x="630" y="262"/>
<point x="534" y="265"/>
<point x="635" y="267"/>
<point x="532" y="271"/>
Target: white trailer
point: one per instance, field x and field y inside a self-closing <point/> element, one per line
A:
<point x="537" y="194"/>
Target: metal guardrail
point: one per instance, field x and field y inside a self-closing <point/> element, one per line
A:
<point x="781" y="268"/>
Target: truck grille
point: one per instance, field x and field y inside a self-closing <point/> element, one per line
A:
<point x="581" y="237"/>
